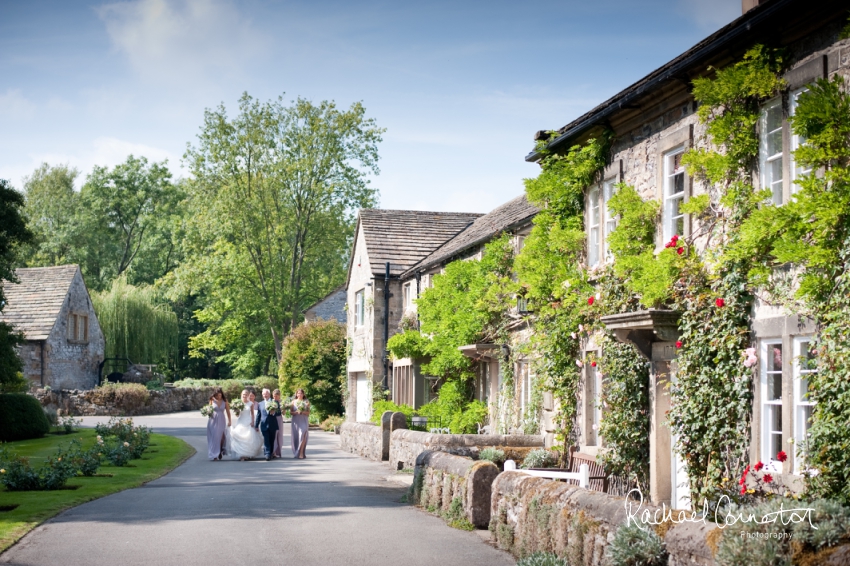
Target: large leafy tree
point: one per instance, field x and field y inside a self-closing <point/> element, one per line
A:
<point x="13" y="234"/>
<point x="51" y="208"/>
<point x="272" y="204"/>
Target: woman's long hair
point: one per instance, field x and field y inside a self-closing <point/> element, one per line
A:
<point x="216" y="391"/>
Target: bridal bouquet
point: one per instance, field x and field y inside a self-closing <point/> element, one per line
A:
<point x="301" y="405"/>
<point x="207" y="411"/>
<point x="272" y="407"/>
<point x="237" y="406"/>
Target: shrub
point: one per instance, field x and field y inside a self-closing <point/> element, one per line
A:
<point x="330" y="423"/>
<point x="381" y="407"/>
<point x="21" y="417"/>
<point x="19" y="475"/>
<point x="542" y="559"/>
<point x="832" y="520"/>
<point x="69" y="423"/>
<point x="634" y="546"/>
<point x="493" y="455"/>
<point x="122" y="437"/>
<point x="154" y="385"/>
<point x="127" y="397"/>
<point x="539" y="458"/>
<point x="86" y="461"/>
<point x="117" y="452"/>
<point x="264" y="382"/>
<point x="52" y="416"/>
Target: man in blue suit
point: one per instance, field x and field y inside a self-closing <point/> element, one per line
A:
<point x="267" y="423"/>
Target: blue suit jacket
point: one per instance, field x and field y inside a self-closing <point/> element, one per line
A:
<point x="267" y="422"/>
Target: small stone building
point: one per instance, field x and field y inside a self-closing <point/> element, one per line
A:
<point x="330" y="307"/>
<point x="64" y="343"/>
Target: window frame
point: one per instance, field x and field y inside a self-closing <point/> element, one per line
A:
<point x="767" y="457"/>
<point x="798" y="404"/>
<point x="609" y="221"/>
<point x="593" y="405"/>
<point x="669" y="223"/>
<point x="765" y="159"/>
<point x="407" y="295"/>
<point x="796" y="170"/>
<point x="594" y="257"/>
<point x="360" y="308"/>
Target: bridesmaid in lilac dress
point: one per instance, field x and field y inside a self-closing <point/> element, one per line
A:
<point x="300" y="425"/>
<point x="216" y="425"/>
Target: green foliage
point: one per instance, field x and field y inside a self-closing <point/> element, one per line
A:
<point x="540" y="458"/>
<point x="625" y="415"/>
<point x="382" y="406"/>
<point x="51" y="207"/>
<point x="542" y="559"/>
<point x="19" y="475"/>
<point x="21" y="417"/>
<point x="455" y="410"/>
<point x="492" y="455"/>
<point x="87" y="461"/>
<point x="408" y="344"/>
<point x="271" y="219"/>
<point x="314" y="359"/>
<point x="332" y="422"/>
<point x="636" y="546"/>
<point x="136" y="322"/>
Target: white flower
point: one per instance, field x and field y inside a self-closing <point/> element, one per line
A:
<point x="791" y="440"/>
<point x="597" y="296"/>
<point x="579" y="363"/>
<point x="595" y="427"/>
<point x="566" y="283"/>
<point x="573" y="335"/>
<point x="581" y="328"/>
<point x="126" y="444"/>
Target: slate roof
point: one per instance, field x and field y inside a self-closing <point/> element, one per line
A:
<point x="33" y="305"/>
<point x="405" y="237"/>
<point x="512" y="213"/>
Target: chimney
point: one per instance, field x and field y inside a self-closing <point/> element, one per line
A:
<point x="747" y="5"/>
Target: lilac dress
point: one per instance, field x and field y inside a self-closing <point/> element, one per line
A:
<point x="215" y="430"/>
<point x="278" y="437"/>
<point x="300" y="432"/>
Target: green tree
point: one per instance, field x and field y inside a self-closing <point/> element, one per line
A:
<point x="51" y="208"/>
<point x="13" y="234"/>
<point x="272" y="214"/>
<point x="314" y="360"/>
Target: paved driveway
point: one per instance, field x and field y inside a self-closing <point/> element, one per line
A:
<point x="332" y="508"/>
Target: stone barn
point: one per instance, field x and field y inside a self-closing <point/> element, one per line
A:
<point x="64" y="343"/>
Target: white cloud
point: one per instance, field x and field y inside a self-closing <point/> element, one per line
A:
<point x="710" y="14"/>
<point x="181" y="41"/>
<point x="14" y="105"/>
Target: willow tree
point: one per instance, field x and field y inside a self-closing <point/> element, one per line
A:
<point x="273" y="200"/>
<point x="136" y="323"/>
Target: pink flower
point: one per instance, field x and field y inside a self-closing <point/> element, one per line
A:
<point x="680" y="251"/>
<point x="782" y="456"/>
<point x="590" y="300"/>
<point x="579" y="363"/>
<point x="573" y="335"/>
<point x="758" y="466"/>
<point x="678" y="343"/>
<point x="768" y="478"/>
<point x="719" y="302"/>
<point x="675" y="238"/>
<point x="581" y="328"/>
<point x="743" y="490"/>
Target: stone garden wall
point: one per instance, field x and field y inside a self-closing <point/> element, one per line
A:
<point x="407" y="445"/>
<point x="455" y="487"/>
<point x="529" y="514"/>
<point x="109" y="401"/>
<point x="363" y="439"/>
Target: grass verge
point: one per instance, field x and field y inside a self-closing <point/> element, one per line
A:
<point x="35" y="507"/>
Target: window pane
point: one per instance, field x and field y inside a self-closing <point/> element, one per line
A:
<point x="678" y="183"/>
<point x="775" y="418"/>
<point x="775" y="445"/>
<point x="774" y="357"/>
<point x="773" y="118"/>
<point x="809" y="360"/>
<point x="593" y="247"/>
<point x="774" y="387"/>
<point x="680" y="225"/>
<point x="774" y="142"/>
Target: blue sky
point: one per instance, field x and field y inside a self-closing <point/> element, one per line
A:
<point x="460" y="86"/>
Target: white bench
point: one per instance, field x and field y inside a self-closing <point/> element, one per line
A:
<point x="582" y="476"/>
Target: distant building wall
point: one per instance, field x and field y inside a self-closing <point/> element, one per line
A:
<point x="331" y="307"/>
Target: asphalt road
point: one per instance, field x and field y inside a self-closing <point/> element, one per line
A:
<point x="332" y="508"/>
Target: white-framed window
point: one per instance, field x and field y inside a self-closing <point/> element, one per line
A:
<point x="771" y="403"/>
<point x="359" y="308"/>
<point x="805" y="364"/>
<point x="407" y="293"/>
<point x="674" y="194"/>
<point x="771" y="149"/>
<point x="484" y="382"/>
<point x="593" y="228"/>
<point x="609" y="187"/>
<point x="523" y="375"/>
<point x="78" y="327"/>
<point x="519" y="242"/>
<point x="797" y="170"/>
<point x="594" y="405"/>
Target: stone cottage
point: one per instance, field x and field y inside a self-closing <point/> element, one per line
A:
<point x="64" y="343"/>
<point x="329" y="307"/>
<point x="386" y="244"/>
<point x="654" y="122"/>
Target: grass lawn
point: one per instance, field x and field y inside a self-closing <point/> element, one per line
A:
<point x="34" y="507"/>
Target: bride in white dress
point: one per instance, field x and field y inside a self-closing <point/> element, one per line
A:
<point x="243" y="441"/>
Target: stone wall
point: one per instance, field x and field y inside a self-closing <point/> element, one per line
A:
<point x="454" y="487"/>
<point x="109" y="402"/>
<point x="363" y="439"/>
<point x="407" y="445"/>
<point x="529" y="514"/>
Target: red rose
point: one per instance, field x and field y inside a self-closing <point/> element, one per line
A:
<point x="590" y="300"/>
<point x="758" y="466"/>
<point x="593" y="364"/>
<point x="719" y="302"/>
<point x="674" y="238"/>
<point x="768" y="478"/>
<point x="680" y="251"/>
<point x="678" y="343"/>
<point x="782" y="456"/>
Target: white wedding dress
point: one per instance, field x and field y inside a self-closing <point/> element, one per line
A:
<point x="242" y="440"/>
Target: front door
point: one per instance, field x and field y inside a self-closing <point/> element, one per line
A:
<point x="364" y="397"/>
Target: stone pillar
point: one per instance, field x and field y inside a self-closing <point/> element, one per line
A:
<point x="660" y="473"/>
<point x="386" y="428"/>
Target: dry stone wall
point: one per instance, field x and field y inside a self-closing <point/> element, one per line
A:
<point x="407" y="445"/>
<point x="363" y="439"/>
<point x="109" y="402"/>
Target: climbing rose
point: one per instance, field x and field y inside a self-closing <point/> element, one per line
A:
<point x="719" y="302"/>
<point x="579" y="363"/>
<point x="678" y="343"/>
<point x="590" y="300"/>
<point x="573" y="335"/>
<point x="593" y="364"/>
<point x="680" y="251"/>
<point x="768" y="478"/>
<point x="758" y="466"/>
<point x="675" y="238"/>
<point x="782" y="456"/>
